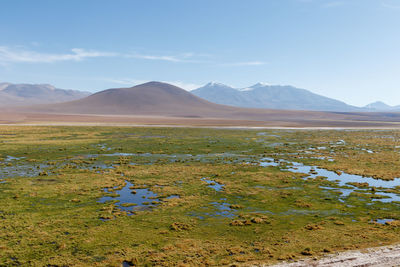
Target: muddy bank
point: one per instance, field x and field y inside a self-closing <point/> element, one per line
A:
<point x="387" y="256"/>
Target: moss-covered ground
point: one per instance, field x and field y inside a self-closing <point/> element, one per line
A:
<point x="52" y="178"/>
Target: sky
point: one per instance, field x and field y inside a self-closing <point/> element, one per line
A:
<point x="344" y="49"/>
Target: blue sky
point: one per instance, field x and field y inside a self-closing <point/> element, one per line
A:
<point x="349" y="49"/>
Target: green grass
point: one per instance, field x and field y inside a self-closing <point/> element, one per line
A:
<point x="56" y="219"/>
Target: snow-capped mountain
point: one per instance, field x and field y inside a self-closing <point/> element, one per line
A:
<point x="262" y="95"/>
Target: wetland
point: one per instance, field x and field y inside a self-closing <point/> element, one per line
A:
<point x="113" y="196"/>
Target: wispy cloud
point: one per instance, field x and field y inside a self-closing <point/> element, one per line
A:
<point x="391" y="5"/>
<point x="333" y="4"/>
<point x="12" y="54"/>
<point x="246" y="63"/>
<point x="193" y="58"/>
<point x="324" y="3"/>
<point x="152" y="57"/>
<point x="132" y="82"/>
<point x="179" y="58"/>
<point x="19" y="54"/>
<point x="125" y="81"/>
<point x="185" y="85"/>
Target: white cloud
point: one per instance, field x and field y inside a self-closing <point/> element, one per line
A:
<point x="390" y="5"/>
<point x="133" y="82"/>
<point x="19" y="54"/>
<point x="192" y="58"/>
<point x="333" y="4"/>
<point x="126" y="81"/>
<point x="246" y="63"/>
<point x="184" y="85"/>
<point x="324" y="3"/>
<point x="151" y="57"/>
<point x="182" y="58"/>
<point x="10" y="55"/>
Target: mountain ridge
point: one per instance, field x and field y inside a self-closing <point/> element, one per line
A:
<point x="30" y="94"/>
<point x="261" y="95"/>
<point x="381" y="106"/>
<point x="165" y="102"/>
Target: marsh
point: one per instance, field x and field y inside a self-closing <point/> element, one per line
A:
<point x="231" y="198"/>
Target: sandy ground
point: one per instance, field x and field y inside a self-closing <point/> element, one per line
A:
<point x="21" y="118"/>
<point x="387" y="256"/>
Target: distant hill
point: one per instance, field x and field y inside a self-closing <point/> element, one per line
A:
<point x="380" y="106"/>
<point x="271" y="97"/>
<point x="30" y="94"/>
<point x="152" y="98"/>
<point x="3" y="85"/>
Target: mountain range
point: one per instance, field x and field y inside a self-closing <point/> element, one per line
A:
<point x="259" y="95"/>
<point x="285" y="97"/>
<point x="167" y="103"/>
<point x="31" y="94"/>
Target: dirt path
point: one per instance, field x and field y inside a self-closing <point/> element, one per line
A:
<point x="376" y="257"/>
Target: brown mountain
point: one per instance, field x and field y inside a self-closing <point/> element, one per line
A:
<point x="152" y="98"/>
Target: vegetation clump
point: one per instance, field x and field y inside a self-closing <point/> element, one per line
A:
<point x="178" y="226"/>
<point x="307" y="252"/>
<point x="394" y="223"/>
<point x="313" y="227"/>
